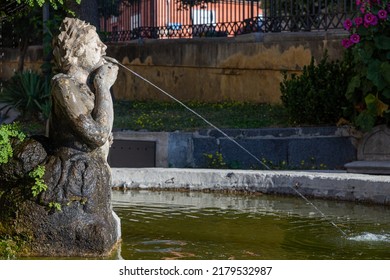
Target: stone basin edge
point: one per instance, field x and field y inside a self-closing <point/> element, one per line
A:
<point x="332" y="185"/>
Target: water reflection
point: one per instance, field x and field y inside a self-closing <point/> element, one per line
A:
<point x="194" y="225"/>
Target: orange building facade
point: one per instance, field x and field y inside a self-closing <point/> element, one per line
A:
<point x="173" y="19"/>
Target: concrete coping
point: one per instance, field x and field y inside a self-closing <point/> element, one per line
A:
<point x="318" y="184"/>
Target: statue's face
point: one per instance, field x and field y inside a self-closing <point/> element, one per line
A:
<point x="92" y="52"/>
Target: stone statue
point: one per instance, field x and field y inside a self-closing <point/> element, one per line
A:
<point x="74" y="155"/>
<point x="82" y="116"/>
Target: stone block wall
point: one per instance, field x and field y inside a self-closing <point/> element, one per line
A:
<point x="303" y="148"/>
<point x="287" y="148"/>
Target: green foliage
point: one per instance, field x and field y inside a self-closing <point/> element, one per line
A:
<point x="55" y="206"/>
<point x="39" y="184"/>
<point x="28" y="92"/>
<point x="9" y="247"/>
<point x="215" y="161"/>
<point x="7" y="132"/>
<point x="53" y="3"/>
<point x="310" y="164"/>
<point x="151" y="120"/>
<point x="169" y="116"/>
<point x="317" y="96"/>
<point x="369" y="45"/>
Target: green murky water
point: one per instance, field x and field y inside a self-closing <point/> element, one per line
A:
<point x="194" y="225"/>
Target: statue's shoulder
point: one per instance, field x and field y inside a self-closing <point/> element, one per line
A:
<point x="62" y="78"/>
<point x="62" y="86"/>
<point x="62" y="83"/>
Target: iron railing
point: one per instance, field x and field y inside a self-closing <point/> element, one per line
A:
<point x="161" y="19"/>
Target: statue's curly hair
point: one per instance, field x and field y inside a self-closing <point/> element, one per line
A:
<point x="68" y="44"/>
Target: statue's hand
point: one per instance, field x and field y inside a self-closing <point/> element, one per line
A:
<point x="106" y="76"/>
<point x="111" y="139"/>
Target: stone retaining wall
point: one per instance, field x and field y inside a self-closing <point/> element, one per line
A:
<point x="297" y="148"/>
<point x="246" y="68"/>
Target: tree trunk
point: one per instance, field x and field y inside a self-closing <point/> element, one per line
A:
<point x="23" y="46"/>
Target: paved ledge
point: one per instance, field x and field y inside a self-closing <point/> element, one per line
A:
<point x="325" y="184"/>
<point x="369" y="167"/>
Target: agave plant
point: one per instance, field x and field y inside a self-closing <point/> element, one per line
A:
<point x="28" y="93"/>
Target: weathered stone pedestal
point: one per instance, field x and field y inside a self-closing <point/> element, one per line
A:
<point x="78" y="183"/>
<point x="373" y="153"/>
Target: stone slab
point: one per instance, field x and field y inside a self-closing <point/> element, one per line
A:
<point x="8" y="114"/>
<point x="375" y="145"/>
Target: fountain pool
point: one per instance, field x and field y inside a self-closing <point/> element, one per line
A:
<point x="198" y="225"/>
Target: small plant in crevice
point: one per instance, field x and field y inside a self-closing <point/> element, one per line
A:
<point x="282" y="165"/>
<point x="310" y="164"/>
<point x="215" y="160"/>
<point x="55" y="206"/>
<point x="39" y="185"/>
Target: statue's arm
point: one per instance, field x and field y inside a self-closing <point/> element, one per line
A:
<point x="94" y="131"/>
<point x="103" y="112"/>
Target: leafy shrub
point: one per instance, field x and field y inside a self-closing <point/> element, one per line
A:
<point x="28" y="92"/>
<point x="369" y="44"/>
<point x="7" y="132"/>
<point x="10" y="246"/>
<point x="317" y="96"/>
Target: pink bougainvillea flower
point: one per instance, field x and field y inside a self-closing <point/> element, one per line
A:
<point x="374" y="21"/>
<point x="355" y="38"/>
<point x="358" y="2"/>
<point x="346" y="43"/>
<point x="362" y="9"/>
<point x="348" y="24"/>
<point x="369" y="18"/>
<point x="358" y="21"/>
<point x="382" y="14"/>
